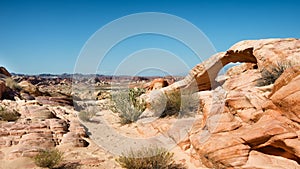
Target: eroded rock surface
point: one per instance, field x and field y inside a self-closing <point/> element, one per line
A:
<point x="245" y="124"/>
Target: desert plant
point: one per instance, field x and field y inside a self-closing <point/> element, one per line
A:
<point x="9" y="82"/>
<point x="173" y="104"/>
<point x="148" y="158"/>
<point x="127" y="105"/>
<point x="189" y="105"/>
<point x="271" y="74"/>
<point x="48" y="158"/>
<point x="8" y="115"/>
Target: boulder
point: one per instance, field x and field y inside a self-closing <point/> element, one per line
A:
<point x="30" y="88"/>
<point x="157" y="84"/>
<point x="2" y="88"/>
<point x="4" y="72"/>
<point x="74" y="140"/>
<point x="37" y="112"/>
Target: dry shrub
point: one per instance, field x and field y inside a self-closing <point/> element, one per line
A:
<point x="8" y="115"/>
<point x="148" y="158"/>
<point x="127" y="105"/>
<point x="49" y="158"/>
<point x="271" y="74"/>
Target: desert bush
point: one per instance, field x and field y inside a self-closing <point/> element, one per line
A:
<point x="271" y="74"/>
<point x="189" y="105"/>
<point x="8" y="115"/>
<point x="86" y="115"/>
<point x="173" y="104"/>
<point x="9" y="82"/>
<point x="148" y="158"/>
<point x="127" y="105"/>
<point x="181" y="105"/>
<point x="49" y="158"/>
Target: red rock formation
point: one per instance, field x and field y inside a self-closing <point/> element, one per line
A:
<point x="4" y="72"/>
<point x="2" y="88"/>
<point x="157" y="84"/>
<point x="244" y="125"/>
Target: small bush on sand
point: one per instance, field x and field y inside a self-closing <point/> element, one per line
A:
<point x="149" y="158"/>
<point x="173" y="104"/>
<point x="271" y="74"/>
<point x="127" y="105"/>
<point x="49" y="158"/>
<point x="181" y="105"/>
<point x="8" y="115"/>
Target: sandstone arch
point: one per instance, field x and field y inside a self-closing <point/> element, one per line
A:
<point x="204" y="74"/>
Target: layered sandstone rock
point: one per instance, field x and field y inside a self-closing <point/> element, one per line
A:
<point x="243" y="125"/>
<point x="261" y="52"/>
<point x="39" y="127"/>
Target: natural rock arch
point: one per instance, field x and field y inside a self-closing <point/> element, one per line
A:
<point x="204" y="74"/>
<point x="201" y="77"/>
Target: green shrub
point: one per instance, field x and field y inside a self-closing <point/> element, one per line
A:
<point x="148" y="158"/>
<point x="127" y="105"/>
<point x="49" y="158"/>
<point x="8" y="115"/>
<point x="271" y="74"/>
<point x="86" y="115"/>
<point x="9" y="82"/>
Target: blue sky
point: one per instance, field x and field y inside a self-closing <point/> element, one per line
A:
<point x="46" y="36"/>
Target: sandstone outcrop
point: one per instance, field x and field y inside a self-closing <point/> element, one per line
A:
<point x="2" y="88"/>
<point x="242" y="124"/>
<point x="39" y="127"/>
<point x="30" y="88"/>
<point x="157" y="84"/>
<point x="4" y="72"/>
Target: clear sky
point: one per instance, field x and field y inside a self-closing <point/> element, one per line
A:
<point x="46" y="36"/>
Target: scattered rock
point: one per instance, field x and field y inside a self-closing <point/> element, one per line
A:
<point x="29" y="88"/>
